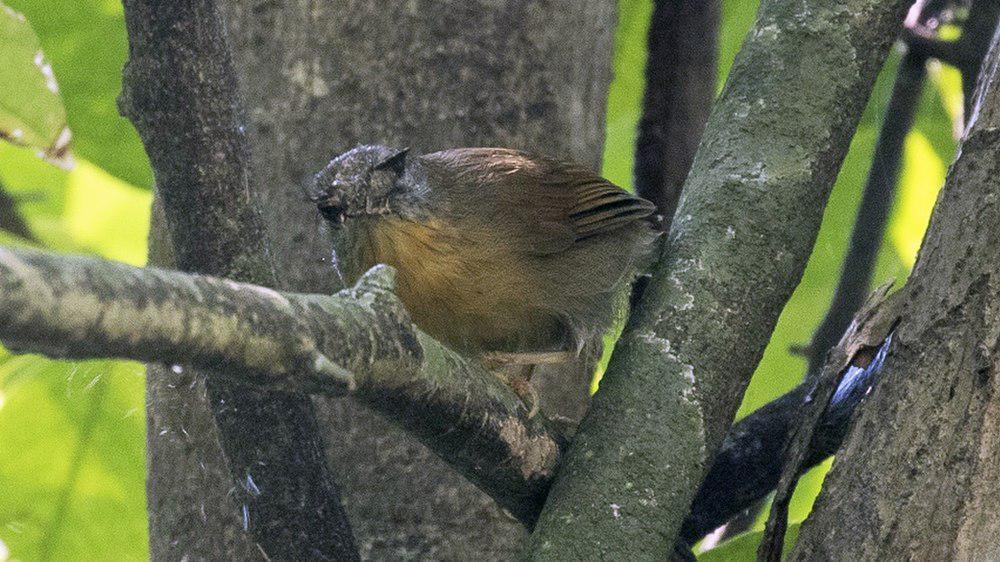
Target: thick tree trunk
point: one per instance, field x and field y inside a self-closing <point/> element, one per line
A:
<point x="321" y="77"/>
<point x="919" y="477"/>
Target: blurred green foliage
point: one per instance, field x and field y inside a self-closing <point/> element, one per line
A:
<point x="71" y="433"/>
<point x="86" y="43"/>
<point x="31" y="109"/>
<point x="72" y="453"/>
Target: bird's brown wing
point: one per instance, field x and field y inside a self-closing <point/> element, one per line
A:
<point x="546" y="204"/>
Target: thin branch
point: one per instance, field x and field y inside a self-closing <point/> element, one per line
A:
<point x="926" y="443"/>
<point x="977" y="34"/>
<point x="873" y="212"/>
<point x="680" y="87"/>
<point x="359" y="340"/>
<point x="965" y="53"/>
<point x="749" y="463"/>
<point x="180" y="90"/>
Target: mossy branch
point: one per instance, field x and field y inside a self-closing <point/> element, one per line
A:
<point x="359" y="340"/>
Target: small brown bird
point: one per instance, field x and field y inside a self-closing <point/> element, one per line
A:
<point x="500" y="255"/>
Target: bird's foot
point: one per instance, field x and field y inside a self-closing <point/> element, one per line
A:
<point x="527" y="393"/>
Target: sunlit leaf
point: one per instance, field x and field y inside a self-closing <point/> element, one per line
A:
<point x="86" y="43"/>
<point x="31" y="109"/>
<point x="743" y="548"/>
<point x="84" y="210"/>
<point x="106" y="215"/>
<point x="76" y="429"/>
<point x="922" y="178"/>
<point x="948" y="82"/>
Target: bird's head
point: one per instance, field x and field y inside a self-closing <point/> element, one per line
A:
<point x="367" y="181"/>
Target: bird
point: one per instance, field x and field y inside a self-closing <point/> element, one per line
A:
<point x="503" y="256"/>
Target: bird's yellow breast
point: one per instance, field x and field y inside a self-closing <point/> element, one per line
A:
<point x="459" y="288"/>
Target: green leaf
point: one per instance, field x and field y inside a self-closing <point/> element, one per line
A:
<point x="86" y="43"/>
<point x="922" y="178"/>
<point x="31" y="109"/>
<point x="947" y="81"/>
<point x="72" y="471"/>
<point x="743" y="548"/>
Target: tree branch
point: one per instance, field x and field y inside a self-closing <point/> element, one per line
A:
<point x="965" y="53"/>
<point x="78" y="307"/>
<point x="359" y="340"/>
<point x="873" y="212"/>
<point x="181" y="92"/>
<point x="927" y="441"/>
<point x="680" y="87"/>
<point x="11" y="220"/>
<point x="863" y="345"/>
<point x="749" y="463"/>
<point x="743" y="231"/>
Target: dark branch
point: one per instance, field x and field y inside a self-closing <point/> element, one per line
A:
<point x="863" y="346"/>
<point x="977" y="33"/>
<point x="680" y="86"/>
<point x="11" y="220"/>
<point x="873" y="212"/>
<point x="965" y="53"/>
<point x="180" y="91"/>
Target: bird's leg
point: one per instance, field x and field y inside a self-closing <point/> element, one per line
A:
<point x="499" y="359"/>
<point x="520" y="383"/>
<point x="515" y="369"/>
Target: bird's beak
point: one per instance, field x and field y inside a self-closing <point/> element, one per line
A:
<point x="331" y="206"/>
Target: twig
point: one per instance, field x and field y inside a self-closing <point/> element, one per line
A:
<point x="749" y="463"/>
<point x="11" y="220"/>
<point x="965" y="53"/>
<point x="180" y="90"/>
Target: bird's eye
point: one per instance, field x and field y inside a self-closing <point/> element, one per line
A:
<point x="331" y="207"/>
<point x="332" y="213"/>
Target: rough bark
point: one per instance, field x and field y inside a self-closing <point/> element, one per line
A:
<point x="278" y="499"/>
<point x="745" y="224"/>
<point x="918" y="476"/>
<point x="359" y="341"/>
<point x="324" y="76"/>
